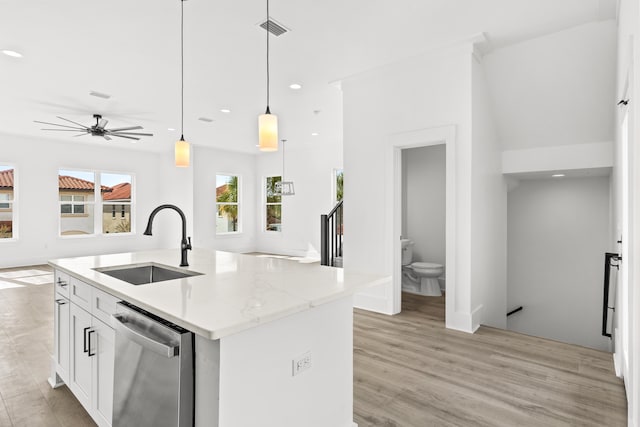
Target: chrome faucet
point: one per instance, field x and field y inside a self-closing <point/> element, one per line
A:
<point x="185" y="244"/>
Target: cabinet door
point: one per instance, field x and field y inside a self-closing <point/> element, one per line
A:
<point x="80" y="362"/>
<point x="61" y="336"/>
<point x="102" y="348"/>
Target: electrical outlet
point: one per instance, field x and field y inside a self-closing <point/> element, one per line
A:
<point x="301" y="363"/>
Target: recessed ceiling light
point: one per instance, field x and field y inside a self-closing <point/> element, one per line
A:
<point x="558" y="175"/>
<point x="205" y="119"/>
<point x="295" y="86"/>
<point x="12" y="53"/>
<point x="171" y="129"/>
<point x="315" y="134"/>
<point x="99" y="94"/>
<point x="225" y="110"/>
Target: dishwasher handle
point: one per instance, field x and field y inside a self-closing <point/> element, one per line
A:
<point x="128" y="329"/>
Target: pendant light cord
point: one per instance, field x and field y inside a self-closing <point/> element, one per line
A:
<point x="268" y="28"/>
<point x="182" y="70"/>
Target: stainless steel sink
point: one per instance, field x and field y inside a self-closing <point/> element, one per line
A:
<point x="141" y="274"/>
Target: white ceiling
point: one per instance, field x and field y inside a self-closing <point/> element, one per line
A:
<point x="131" y="50"/>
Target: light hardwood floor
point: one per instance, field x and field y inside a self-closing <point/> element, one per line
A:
<point x="409" y="370"/>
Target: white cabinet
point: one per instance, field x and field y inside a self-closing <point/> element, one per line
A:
<point x="61" y="336"/>
<point x="102" y="372"/>
<point x="80" y="370"/>
<point x="85" y="346"/>
<point x="60" y="357"/>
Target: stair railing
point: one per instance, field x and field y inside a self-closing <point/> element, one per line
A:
<point x="331" y="230"/>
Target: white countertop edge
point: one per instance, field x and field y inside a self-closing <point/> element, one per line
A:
<point x="221" y="331"/>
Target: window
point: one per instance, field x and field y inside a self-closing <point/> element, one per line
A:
<point x="82" y="193"/>
<point x="116" y="197"/>
<point x="7" y="200"/>
<point x="339" y="184"/>
<point x="273" y="204"/>
<point x="227" y="204"/>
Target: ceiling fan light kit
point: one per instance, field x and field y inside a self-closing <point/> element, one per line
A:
<point x="267" y="122"/>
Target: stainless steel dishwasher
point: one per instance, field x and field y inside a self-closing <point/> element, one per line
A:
<point x="153" y="371"/>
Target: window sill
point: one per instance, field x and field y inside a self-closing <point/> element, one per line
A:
<point x="232" y="235"/>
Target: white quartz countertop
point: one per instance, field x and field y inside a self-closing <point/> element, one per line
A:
<point x="235" y="291"/>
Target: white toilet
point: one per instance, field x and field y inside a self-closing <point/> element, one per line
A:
<point x="419" y="277"/>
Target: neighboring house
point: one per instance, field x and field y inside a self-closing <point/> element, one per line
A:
<point x="76" y="216"/>
<point x="6" y="211"/>
<point x="116" y="210"/>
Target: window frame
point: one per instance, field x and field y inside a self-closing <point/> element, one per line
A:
<point x="13" y="204"/>
<point x="98" y="205"/>
<point x="237" y="203"/>
<point x="266" y="204"/>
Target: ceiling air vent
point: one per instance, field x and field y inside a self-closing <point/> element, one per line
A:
<point x="274" y="28"/>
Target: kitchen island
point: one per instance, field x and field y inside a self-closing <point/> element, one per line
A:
<point x="273" y="337"/>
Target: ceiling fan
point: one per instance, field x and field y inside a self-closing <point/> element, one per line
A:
<point x="98" y="129"/>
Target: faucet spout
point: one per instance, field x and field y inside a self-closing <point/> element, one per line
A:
<point x="185" y="242"/>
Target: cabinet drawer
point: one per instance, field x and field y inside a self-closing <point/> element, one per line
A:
<point x="103" y="305"/>
<point x="80" y="293"/>
<point x="61" y="283"/>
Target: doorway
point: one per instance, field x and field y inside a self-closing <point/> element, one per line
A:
<point x="444" y="135"/>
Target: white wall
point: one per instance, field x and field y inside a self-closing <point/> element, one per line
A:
<point x="423" y="200"/>
<point x="208" y="163"/>
<point x="555" y="89"/>
<point x="37" y="163"/>
<point x="418" y="93"/>
<point x="310" y="165"/>
<point x="489" y="210"/>
<point x="557" y="237"/>
<point x="559" y="158"/>
<point x="628" y="65"/>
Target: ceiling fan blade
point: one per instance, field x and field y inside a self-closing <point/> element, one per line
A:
<point x="106" y="137"/>
<point x="124" y="136"/>
<point x="103" y="123"/>
<point x="127" y="128"/>
<point x="64" y="130"/>
<point x="131" y="133"/>
<point x="82" y="134"/>
<point x="56" y="124"/>
<point x="71" y="121"/>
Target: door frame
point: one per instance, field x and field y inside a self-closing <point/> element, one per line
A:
<point x="422" y="138"/>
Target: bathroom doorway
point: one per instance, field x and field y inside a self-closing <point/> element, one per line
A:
<point x="443" y="139"/>
<point x="423" y="228"/>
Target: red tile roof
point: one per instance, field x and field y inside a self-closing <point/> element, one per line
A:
<point x="72" y="183"/>
<point x="120" y="191"/>
<point x="221" y="189"/>
<point x="6" y="178"/>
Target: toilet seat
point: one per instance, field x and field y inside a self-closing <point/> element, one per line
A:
<point x="426" y="265"/>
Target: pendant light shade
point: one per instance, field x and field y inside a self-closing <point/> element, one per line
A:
<point x="268" y="132"/>
<point x="182" y="151"/>
<point x="267" y="122"/>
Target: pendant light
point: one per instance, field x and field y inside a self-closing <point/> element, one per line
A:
<point x="286" y="187"/>
<point x="182" y="151"/>
<point x="267" y="122"/>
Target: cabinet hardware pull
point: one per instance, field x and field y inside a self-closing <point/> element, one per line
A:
<point x="61" y="302"/>
<point x="89" y="339"/>
<point x="84" y="342"/>
<point x="62" y="283"/>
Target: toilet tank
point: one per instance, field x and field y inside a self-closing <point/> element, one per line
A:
<point x="407" y="251"/>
